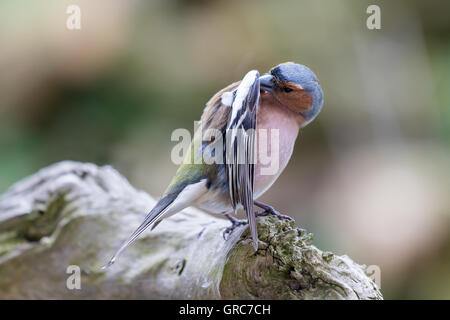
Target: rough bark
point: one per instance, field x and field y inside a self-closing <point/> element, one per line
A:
<point x="77" y="214"/>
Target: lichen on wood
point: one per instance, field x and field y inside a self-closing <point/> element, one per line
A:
<point x="77" y="214"/>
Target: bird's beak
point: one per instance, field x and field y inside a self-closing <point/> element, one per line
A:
<point x="266" y="82"/>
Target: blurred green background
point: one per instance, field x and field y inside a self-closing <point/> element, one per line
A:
<point x="370" y="177"/>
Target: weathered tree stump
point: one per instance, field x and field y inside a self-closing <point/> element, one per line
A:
<point x="77" y="214"/>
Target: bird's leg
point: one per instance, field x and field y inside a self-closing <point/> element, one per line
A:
<point x="269" y="210"/>
<point x="235" y="222"/>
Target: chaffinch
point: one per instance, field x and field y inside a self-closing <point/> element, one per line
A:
<point x="222" y="171"/>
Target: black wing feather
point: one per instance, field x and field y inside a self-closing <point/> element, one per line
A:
<point x="240" y="147"/>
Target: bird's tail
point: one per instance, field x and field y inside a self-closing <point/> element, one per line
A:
<point x="151" y="219"/>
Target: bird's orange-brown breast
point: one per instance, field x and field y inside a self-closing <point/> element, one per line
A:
<point x="281" y="123"/>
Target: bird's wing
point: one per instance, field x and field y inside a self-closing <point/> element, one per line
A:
<point x="179" y="196"/>
<point x="240" y="145"/>
<point x="216" y="113"/>
<point x="234" y="107"/>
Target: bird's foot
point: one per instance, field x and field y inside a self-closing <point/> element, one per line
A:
<point x="268" y="210"/>
<point x="234" y="224"/>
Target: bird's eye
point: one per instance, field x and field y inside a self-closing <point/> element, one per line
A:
<point x="287" y="89"/>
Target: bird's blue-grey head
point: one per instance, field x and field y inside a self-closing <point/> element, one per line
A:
<point x="296" y="87"/>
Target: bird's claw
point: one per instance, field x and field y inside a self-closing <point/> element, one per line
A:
<point x="235" y="223"/>
<point x="272" y="211"/>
